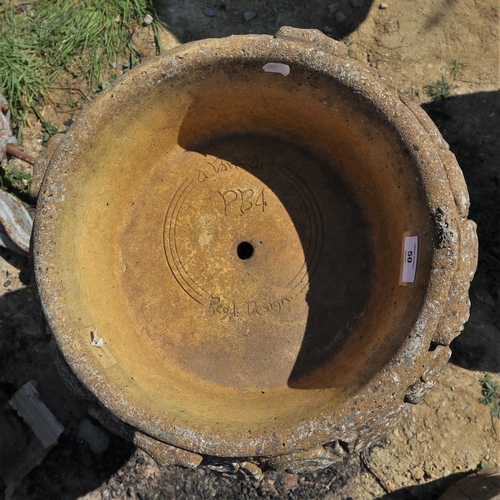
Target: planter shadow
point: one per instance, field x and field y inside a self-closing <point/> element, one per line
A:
<point x="188" y="21"/>
<point x="71" y="469"/>
<point x="467" y="123"/>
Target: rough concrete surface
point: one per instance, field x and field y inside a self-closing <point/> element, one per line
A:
<point x="438" y="441"/>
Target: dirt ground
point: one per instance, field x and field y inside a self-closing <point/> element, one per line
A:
<point x="450" y="433"/>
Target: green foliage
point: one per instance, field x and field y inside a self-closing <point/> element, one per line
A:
<point x="15" y="181"/>
<point x="456" y="68"/>
<point x="73" y="103"/>
<point x="483" y="466"/>
<point x="491" y="395"/>
<point x="438" y="90"/>
<point x="40" y="40"/>
<point x="48" y="128"/>
<point x="23" y="75"/>
<point x="348" y="42"/>
<point x="84" y="36"/>
<point x="107" y="83"/>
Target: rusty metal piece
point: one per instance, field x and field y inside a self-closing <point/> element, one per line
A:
<point x="241" y="220"/>
<point x="15" y="224"/>
<point x="13" y="151"/>
<point x="7" y="140"/>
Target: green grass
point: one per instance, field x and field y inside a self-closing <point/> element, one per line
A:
<point x="456" y="68"/>
<point x="23" y="75"/>
<point x="41" y="39"/>
<point x="491" y="395"/>
<point x="438" y="90"/>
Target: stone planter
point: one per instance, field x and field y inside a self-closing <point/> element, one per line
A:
<point x="252" y="250"/>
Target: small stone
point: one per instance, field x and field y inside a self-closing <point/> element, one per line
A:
<point x="291" y="481"/>
<point x="148" y="19"/>
<point x="209" y="11"/>
<point x="249" y="15"/>
<point x="7" y="283"/>
<point x="333" y="7"/>
<point x="341" y="17"/>
<point x="94" y="435"/>
<point x="327" y="29"/>
<point x="383" y="6"/>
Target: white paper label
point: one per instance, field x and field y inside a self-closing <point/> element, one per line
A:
<point x="96" y="340"/>
<point x="272" y="67"/>
<point x="410" y="256"/>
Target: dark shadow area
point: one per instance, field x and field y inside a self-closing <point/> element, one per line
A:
<point x="430" y="491"/>
<point x="333" y="235"/>
<point x="441" y="10"/>
<point x="470" y="124"/>
<point x="19" y="262"/>
<point x="71" y="469"/>
<point x="192" y="20"/>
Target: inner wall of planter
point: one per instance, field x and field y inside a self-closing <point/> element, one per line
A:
<point x="246" y="250"/>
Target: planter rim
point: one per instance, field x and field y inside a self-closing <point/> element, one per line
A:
<point x="317" y="53"/>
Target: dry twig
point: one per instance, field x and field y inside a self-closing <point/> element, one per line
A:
<point x="378" y="476"/>
<point x="72" y="89"/>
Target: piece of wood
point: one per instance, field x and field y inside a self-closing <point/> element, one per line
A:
<point x="36" y="414"/>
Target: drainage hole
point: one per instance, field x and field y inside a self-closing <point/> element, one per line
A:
<point x="245" y="250"/>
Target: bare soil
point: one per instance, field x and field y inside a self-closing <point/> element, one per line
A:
<point x="415" y="44"/>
